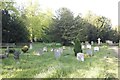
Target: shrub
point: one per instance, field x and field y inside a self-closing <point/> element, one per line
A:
<point x="25" y="49"/>
<point x="77" y="46"/>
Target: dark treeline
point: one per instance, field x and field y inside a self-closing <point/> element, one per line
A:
<point x="23" y="25"/>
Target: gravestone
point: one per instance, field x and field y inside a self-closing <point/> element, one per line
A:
<point x="80" y="56"/>
<point x="30" y="45"/>
<point x="52" y="50"/>
<point x="88" y="46"/>
<point x="64" y="48"/>
<point x="16" y="55"/>
<point x="83" y="46"/>
<point x="45" y="49"/>
<point x="39" y="52"/>
<point x="96" y="48"/>
<point x="61" y="50"/>
<point x="92" y="43"/>
<point x="99" y="41"/>
<point x="119" y="42"/>
<point x="57" y="53"/>
<point x="89" y="52"/>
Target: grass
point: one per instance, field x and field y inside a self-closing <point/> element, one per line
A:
<point x="67" y="66"/>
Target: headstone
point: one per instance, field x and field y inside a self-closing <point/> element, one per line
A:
<point x="119" y="42"/>
<point x="80" y="56"/>
<point x="64" y="48"/>
<point x="39" y="52"/>
<point x="45" y="49"/>
<point x="99" y="41"/>
<point x="35" y="39"/>
<point x="61" y="50"/>
<point x="83" y="46"/>
<point x="96" y="48"/>
<point x="89" y="52"/>
<point x="57" y="53"/>
<point x="16" y="55"/>
<point x="88" y="46"/>
<point x="92" y="42"/>
<point x="52" y="50"/>
<point x="30" y="45"/>
<point x="109" y="42"/>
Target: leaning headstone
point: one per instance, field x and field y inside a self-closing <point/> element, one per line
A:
<point x="80" y="56"/>
<point x="89" y="52"/>
<point x="96" y="48"/>
<point x="45" y="49"/>
<point x="57" y="53"/>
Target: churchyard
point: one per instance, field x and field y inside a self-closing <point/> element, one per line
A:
<point x="46" y="60"/>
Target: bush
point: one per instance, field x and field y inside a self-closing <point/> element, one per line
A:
<point x="25" y="49"/>
<point x="77" y="46"/>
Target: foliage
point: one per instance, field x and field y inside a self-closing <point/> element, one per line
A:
<point x="77" y="46"/>
<point x="13" y="28"/>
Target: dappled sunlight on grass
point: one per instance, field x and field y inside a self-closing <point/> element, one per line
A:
<point x="67" y="66"/>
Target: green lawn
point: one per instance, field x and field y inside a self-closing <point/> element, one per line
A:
<point x="67" y="66"/>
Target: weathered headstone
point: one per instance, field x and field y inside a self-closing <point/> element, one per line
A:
<point x="16" y="55"/>
<point x="92" y="43"/>
<point x="57" y="53"/>
<point x="61" y="50"/>
<point x="96" y="48"/>
<point x="52" y="50"/>
<point x="83" y="46"/>
<point x="89" y="52"/>
<point x="39" y="52"/>
<point x="88" y="46"/>
<point x="119" y="42"/>
<point x="30" y="45"/>
<point x="64" y="48"/>
<point x="45" y="49"/>
<point x="80" y="56"/>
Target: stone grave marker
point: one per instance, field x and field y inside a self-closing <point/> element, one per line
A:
<point x="45" y="49"/>
<point x="64" y="48"/>
<point x="96" y="48"/>
<point x="80" y="56"/>
<point x="88" y="46"/>
<point x="89" y="52"/>
<point x="16" y="55"/>
<point x="52" y="50"/>
<point x="57" y="53"/>
<point x="92" y="43"/>
<point x="31" y="46"/>
<point x="61" y="50"/>
<point x="83" y="46"/>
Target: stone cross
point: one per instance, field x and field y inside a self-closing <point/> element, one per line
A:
<point x="98" y="41"/>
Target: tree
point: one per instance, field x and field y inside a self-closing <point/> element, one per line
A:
<point x="13" y="29"/>
<point x="77" y="46"/>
